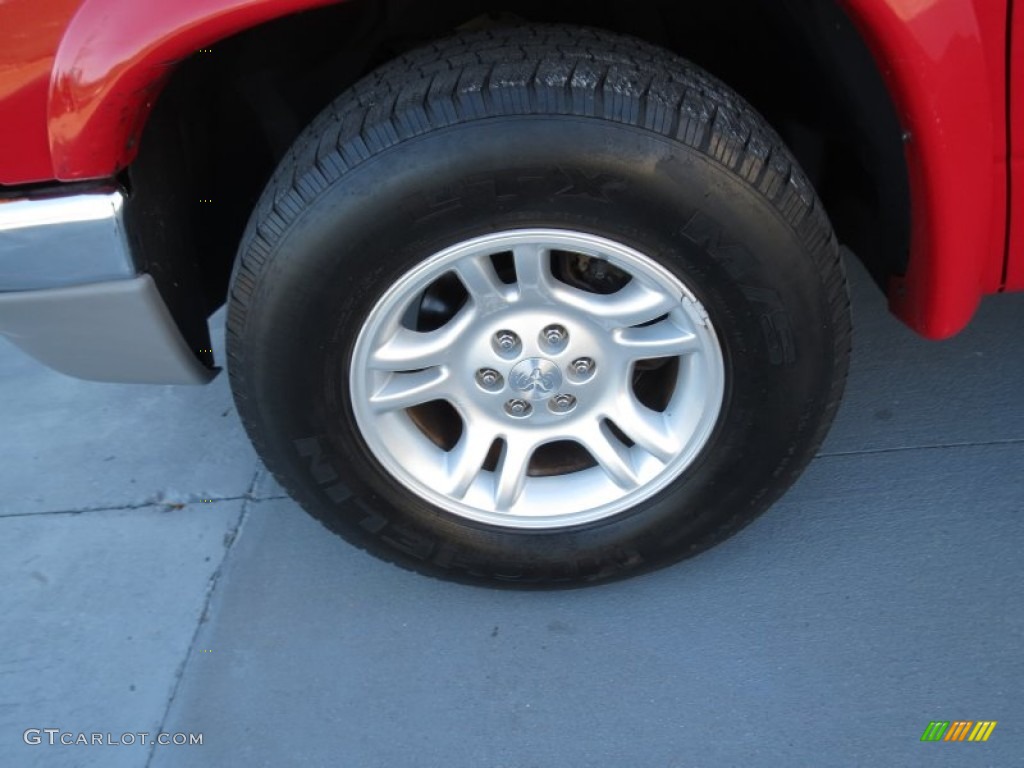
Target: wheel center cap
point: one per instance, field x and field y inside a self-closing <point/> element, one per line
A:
<point x="535" y="378"/>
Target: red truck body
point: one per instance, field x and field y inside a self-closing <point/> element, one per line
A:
<point x="79" y="77"/>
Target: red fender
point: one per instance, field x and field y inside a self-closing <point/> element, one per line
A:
<point x="114" y="58"/>
<point x="944" y="62"/>
<point x="1015" y="229"/>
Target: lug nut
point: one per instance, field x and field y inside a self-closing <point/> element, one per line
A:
<point x="518" y="408"/>
<point x="506" y="343"/>
<point x="582" y="367"/>
<point x="489" y="379"/>
<point x="562" y="403"/>
<point x="554" y="336"/>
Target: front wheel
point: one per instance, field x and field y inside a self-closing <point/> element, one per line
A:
<point x="562" y="313"/>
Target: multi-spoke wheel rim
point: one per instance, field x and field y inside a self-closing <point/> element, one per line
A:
<point x="519" y="403"/>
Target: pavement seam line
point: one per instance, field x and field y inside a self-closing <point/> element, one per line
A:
<point x="246" y="497"/>
<point x="936" y="447"/>
<point x="211" y="587"/>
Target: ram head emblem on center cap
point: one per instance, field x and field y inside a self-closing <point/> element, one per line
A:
<point x="536" y="378"/>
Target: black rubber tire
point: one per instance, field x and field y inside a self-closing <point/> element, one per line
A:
<point x="552" y="127"/>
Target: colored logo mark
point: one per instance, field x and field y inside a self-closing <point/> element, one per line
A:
<point x="959" y="730"/>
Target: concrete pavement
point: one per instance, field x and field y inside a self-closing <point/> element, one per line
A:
<point x="156" y="580"/>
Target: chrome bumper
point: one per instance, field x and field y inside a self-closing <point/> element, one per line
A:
<point x="60" y="241"/>
<point x="70" y="295"/>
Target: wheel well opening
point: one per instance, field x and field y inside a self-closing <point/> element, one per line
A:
<point x="228" y="114"/>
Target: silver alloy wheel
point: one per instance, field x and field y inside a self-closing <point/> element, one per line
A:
<point x="529" y="360"/>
